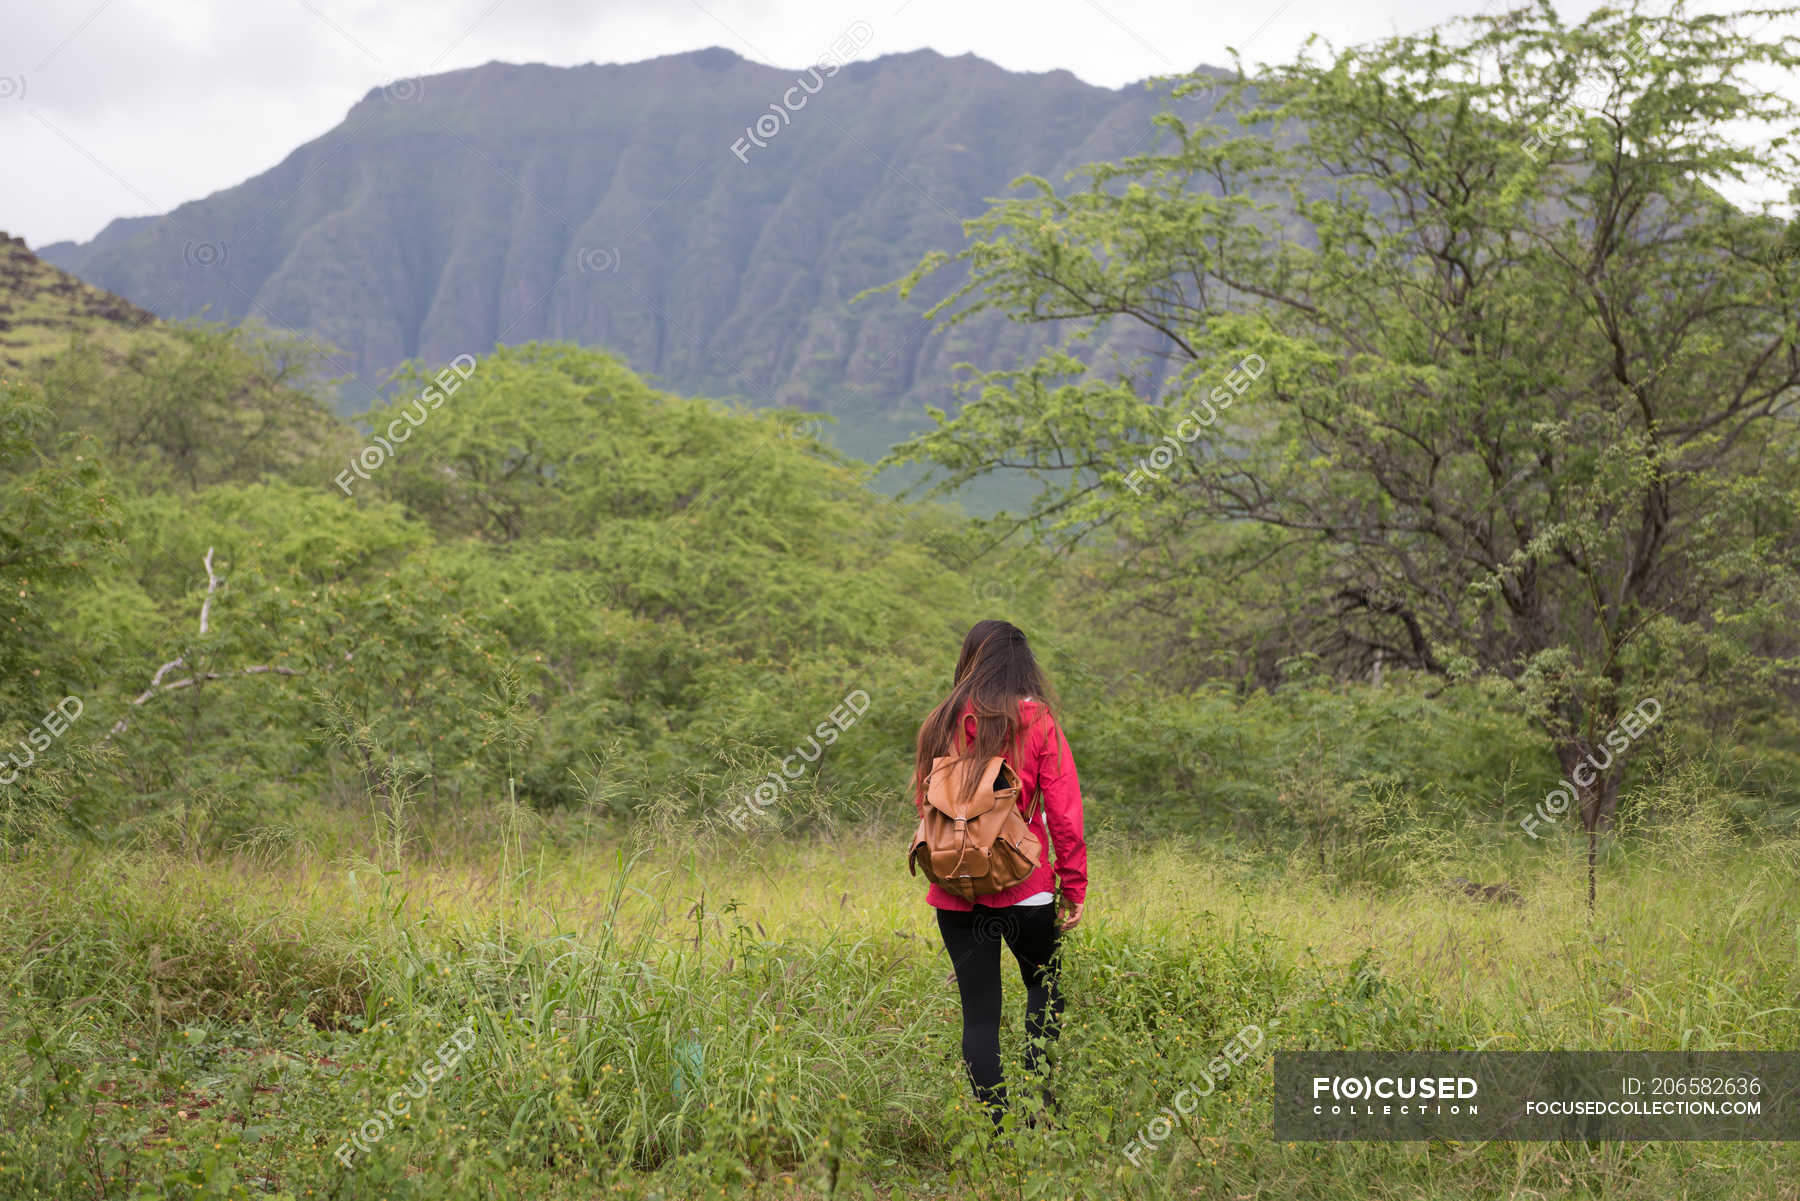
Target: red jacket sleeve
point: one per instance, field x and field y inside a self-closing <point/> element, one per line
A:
<point x="1060" y="789"/>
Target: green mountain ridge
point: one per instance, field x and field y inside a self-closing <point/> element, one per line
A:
<point x="605" y="204"/>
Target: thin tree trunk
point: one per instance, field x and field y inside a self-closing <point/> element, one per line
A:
<point x="1593" y="841"/>
<point x="1595" y="774"/>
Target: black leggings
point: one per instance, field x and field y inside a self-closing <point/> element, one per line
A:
<point x="973" y="939"/>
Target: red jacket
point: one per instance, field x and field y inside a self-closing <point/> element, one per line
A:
<point x="1046" y="766"/>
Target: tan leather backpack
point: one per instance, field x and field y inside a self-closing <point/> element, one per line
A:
<point x="978" y="848"/>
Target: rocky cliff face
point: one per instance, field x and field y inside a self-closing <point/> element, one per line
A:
<point x="630" y="207"/>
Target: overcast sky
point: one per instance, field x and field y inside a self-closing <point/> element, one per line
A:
<point x="114" y="108"/>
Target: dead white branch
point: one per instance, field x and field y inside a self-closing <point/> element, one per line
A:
<point x="212" y="585"/>
<point x="157" y="687"/>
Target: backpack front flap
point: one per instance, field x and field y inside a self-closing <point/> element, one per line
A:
<point x="949" y="776"/>
<point x="978" y="847"/>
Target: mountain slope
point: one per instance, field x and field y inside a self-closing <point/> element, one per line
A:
<point x="41" y="307"/>
<point x="605" y="204"/>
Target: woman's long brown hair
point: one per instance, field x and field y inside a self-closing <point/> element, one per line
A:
<point x="994" y="672"/>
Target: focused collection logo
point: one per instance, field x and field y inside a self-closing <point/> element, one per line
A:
<point x="1378" y="1094"/>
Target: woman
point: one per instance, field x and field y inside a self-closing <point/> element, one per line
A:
<point x="1000" y="705"/>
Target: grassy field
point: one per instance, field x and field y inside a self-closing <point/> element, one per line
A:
<point x="579" y="1019"/>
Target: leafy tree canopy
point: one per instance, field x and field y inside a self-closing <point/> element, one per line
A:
<point x="1466" y="334"/>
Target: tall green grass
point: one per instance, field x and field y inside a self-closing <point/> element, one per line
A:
<point x="776" y="1018"/>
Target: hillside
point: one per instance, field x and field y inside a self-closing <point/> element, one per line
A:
<point x="605" y="204"/>
<point x="41" y="306"/>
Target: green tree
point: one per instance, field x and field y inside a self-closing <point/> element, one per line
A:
<point x="321" y="620"/>
<point x="1461" y="321"/>
<point x="185" y="406"/>
<point x="59" y="522"/>
<point x="691" y="584"/>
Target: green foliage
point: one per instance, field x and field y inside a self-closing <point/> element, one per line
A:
<point x="1499" y="406"/>
<point x="198" y="405"/>
<point x="565" y="589"/>
<point x="667" y="596"/>
<point x="58" y="519"/>
<point x="554" y="586"/>
<point x="59" y="526"/>
<point x="1309" y="761"/>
